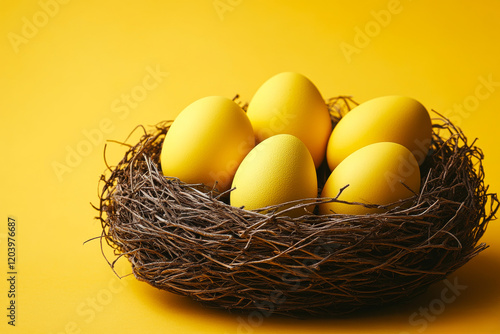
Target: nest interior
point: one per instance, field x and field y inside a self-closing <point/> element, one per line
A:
<point x="186" y="238"/>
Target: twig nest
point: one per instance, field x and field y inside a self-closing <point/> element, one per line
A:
<point x="186" y="238"/>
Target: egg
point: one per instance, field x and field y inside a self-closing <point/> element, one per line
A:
<point x="373" y="174"/>
<point x="207" y="142"/>
<point x="277" y="170"/>
<point x="398" y="119"/>
<point x="289" y="103"/>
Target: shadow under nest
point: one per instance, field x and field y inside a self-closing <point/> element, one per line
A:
<point x="188" y="240"/>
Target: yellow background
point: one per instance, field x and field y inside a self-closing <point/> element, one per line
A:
<point x="65" y="80"/>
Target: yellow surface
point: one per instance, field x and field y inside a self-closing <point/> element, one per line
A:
<point x="77" y="73"/>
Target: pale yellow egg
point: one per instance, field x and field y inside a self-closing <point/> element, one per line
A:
<point x="396" y="119"/>
<point x="207" y="142"/>
<point x="289" y="103"/>
<point x="277" y="170"/>
<point x="379" y="174"/>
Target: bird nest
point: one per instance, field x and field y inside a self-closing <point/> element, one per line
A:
<point x="187" y="239"/>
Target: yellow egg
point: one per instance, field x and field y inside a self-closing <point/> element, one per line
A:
<point x="373" y="174"/>
<point x="289" y="103"/>
<point x="398" y="119"/>
<point x="277" y="170"/>
<point x="207" y="142"/>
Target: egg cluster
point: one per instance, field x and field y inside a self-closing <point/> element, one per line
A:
<point x="270" y="154"/>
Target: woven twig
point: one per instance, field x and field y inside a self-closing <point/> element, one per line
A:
<point x="186" y="238"/>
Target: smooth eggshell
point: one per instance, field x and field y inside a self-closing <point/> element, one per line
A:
<point x="398" y="119"/>
<point x="207" y="142"/>
<point x="289" y="103"/>
<point x="373" y="174"/>
<point x="277" y="170"/>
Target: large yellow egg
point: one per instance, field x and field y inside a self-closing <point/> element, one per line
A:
<point x="277" y="170"/>
<point x="373" y="174"/>
<point x="207" y="142"/>
<point x="396" y="119"/>
<point x="289" y="103"/>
